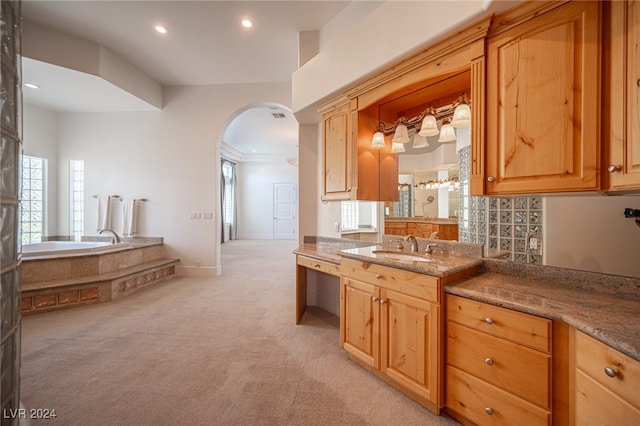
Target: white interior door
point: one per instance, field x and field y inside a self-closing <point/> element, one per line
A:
<point x="284" y="211"/>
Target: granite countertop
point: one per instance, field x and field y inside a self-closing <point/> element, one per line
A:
<point x="603" y="306"/>
<point x="326" y="249"/>
<point x="440" y="265"/>
<point x="419" y="219"/>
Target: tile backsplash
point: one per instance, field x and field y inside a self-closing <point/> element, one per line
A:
<point x="512" y="225"/>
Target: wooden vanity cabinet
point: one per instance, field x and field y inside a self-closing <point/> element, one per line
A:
<point x="606" y="384"/>
<point x="621" y="117"/>
<point x="498" y="364"/>
<point x="390" y="324"/>
<point x="543" y="100"/>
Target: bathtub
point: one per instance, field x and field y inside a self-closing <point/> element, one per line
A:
<point x="69" y="247"/>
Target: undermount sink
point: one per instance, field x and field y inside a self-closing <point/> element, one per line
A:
<point x="401" y="256"/>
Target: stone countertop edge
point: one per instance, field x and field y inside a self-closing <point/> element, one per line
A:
<point x="327" y="248"/>
<point x="606" y="307"/>
<point x="419" y="219"/>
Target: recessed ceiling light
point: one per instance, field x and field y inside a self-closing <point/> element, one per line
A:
<point x="161" y="29"/>
<point x="247" y="23"/>
<point x="32" y="86"/>
<point x="253" y="150"/>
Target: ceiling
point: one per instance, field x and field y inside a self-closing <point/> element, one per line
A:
<point x="205" y="45"/>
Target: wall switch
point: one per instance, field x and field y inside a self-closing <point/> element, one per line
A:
<point x="192" y="215"/>
<point x="198" y="215"/>
<point x="208" y="215"/>
<point x="337" y="226"/>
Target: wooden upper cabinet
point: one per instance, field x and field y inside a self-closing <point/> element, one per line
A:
<point x="621" y="119"/>
<point x="543" y="102"/>
<point x="352" y="169"/>
<point x="338" y="154"/>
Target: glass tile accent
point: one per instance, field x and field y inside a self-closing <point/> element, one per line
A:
<point x="499" y="223"/>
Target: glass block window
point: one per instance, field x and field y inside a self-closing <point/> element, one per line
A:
<point x="32" y="199"/>
<point x="350" y="214"/>
<point x="402" y="208"/>
<point x="76" y="190"/>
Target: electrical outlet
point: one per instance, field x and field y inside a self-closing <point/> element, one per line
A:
<point x="533" y="243"/>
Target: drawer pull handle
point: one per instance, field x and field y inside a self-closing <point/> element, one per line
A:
<point x="316" y="266"/>
<point x="611" y="372"/>
<point x="489" y="411"/>
<point x="378" y="276"/>
<point x="489" y="361"/>
<point x="382" y="301"/>
<point x="488" y="320"/>
<point x="375" y="299"/>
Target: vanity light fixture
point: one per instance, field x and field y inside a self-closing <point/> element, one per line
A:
<point x="378" y="137"/>
<point x="401" y="134"/>
<point x="419" y="141"/>
<point x="462" y="113"/>
<point x="457" y="114"/>
<point x="447" y="133"/>
<point x="429" y="126"/>
<point x="397" y="147"/>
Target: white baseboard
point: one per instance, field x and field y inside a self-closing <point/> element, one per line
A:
<point x="197" y="271"/>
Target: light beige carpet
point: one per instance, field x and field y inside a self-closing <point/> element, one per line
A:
<point x="221" y="351"/>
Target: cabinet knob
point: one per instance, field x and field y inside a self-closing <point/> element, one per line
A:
<point x="378" y="276"/>
<point x="375" y="299"/>
<point x="489" y="411"/>
<point x="611" y="372"/>
<point x="489" y="361"/>
<point x="613" y="168"/>
<point x="382" y="301"/>
<point x="488" y="320"/>
<point x="490" y="179"/>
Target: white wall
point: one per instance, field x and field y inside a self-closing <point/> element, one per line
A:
<point x="590" y="233"/>
<point x="40" y="132"/>
<point x="255" y="196"/>
<point x="170" y="157"/>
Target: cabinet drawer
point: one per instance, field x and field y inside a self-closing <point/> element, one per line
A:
<point x="421" y="286"/>
<point x="318" y="265"/>
<point x="484" y="404"/>
<point x="597" y="405"/>
<point x="514" y="368"/>
<point x="593" y="357"/>
<point x="518" y="327"/>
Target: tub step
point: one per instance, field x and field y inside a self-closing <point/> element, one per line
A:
<point x="51" y="295"/>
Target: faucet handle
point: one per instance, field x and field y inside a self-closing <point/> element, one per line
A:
<point x="429" y="248"/>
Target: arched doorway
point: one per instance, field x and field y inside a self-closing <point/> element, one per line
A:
<point x="258" y="194"/>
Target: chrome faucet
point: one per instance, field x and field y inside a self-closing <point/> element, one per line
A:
<point x="116" y="237"/>
<point x="413" y="241"/>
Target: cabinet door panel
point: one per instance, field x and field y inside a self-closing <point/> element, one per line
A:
<point x="410" y="352"/>
<point x="360" y="336"/>
<point x="596" y="406"/>
<point x="621" y="120"/>
<point x="542" y="108"/>
<point x="335" y="162"/>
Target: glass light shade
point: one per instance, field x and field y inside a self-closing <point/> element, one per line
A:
<point x="447" y="134"/>
<point x="397" y="147"/>
<point x="401" y="135"/>
<point x="419" y="141"/>
<point x="378" y="140"/>
<point x="429" y="126"/>
<point x="461" y="116"/>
